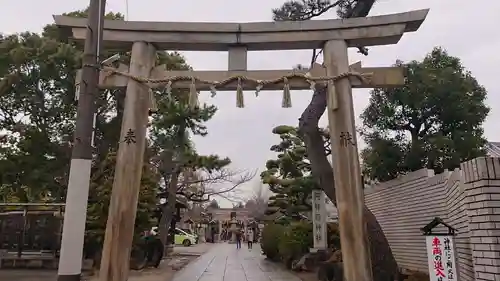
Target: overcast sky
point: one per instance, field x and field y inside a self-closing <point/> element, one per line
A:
<point x="467" y="29"/>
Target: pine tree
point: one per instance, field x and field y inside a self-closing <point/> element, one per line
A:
<point x="289" y="176"/>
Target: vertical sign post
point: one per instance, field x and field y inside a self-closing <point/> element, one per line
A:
<point x="319" y="220"/>
<point x="440" y="250"/>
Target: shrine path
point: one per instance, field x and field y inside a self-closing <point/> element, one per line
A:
<point x="225" y="263"/>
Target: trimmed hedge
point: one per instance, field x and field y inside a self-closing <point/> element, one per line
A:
<point x="295" y="241"/>
<point x="333" y="236"/>
<point x="270" y="240"/>
<point x="290" y="242"/>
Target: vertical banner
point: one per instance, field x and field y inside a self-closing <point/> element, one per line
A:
<point x="441" y="258"/>
<point x="319" y="219"/>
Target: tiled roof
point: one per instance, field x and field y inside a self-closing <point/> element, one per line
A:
<point x="493" y="149"/>
<point x="495" y="143"/>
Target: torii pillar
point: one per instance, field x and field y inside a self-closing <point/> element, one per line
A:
<point x="117" y="246"/>
<point x="346" y="168"/>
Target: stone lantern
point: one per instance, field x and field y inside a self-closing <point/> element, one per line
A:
<point x="233" y="227"/>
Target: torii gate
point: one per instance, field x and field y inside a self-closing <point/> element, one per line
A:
<point x="334" y="36"/>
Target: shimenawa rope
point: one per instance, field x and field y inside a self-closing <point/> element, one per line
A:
<point x="193" y="94"/>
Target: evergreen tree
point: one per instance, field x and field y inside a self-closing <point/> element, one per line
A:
<point x="289" y="175"/>
<point x="434" y="121"/>
<point x="37" y="112"/>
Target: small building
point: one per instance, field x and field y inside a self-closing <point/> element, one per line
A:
<point x="493" y="149"/>
<point x="224" y="214"/>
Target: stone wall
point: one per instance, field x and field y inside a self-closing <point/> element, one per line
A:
<point x="468" y="199"/>
<point x="482" y="189"/>
<point x="403" y="206"/>
<point x="456" y="215"/>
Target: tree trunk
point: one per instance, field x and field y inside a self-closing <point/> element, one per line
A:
<point x="384" y="264"/>
<point x="168" y="210"/>
<point x="170" y="167"/>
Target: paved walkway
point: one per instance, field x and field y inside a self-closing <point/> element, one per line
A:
<point x="193" y="250"/>
<point x="225" y="263"/>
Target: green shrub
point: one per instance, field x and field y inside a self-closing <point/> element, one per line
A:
<point x="290" y="242"/>
<point x="271" y="235"/>
<point x="296" y="240"/>
<point x="333" y="235"/>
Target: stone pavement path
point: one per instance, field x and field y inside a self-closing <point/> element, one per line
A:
<point x="225" y="263"/>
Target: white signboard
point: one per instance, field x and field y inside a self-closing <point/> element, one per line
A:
<point x="319" y="219"/>
<point x="441" y="257"/>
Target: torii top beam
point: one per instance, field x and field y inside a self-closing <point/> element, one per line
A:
<point x="255" y="36"/>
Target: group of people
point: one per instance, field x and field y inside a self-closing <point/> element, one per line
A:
<point x="249" y="237"/>
<point x="225" y="235"/>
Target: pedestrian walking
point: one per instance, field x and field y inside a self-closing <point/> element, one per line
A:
<point x="250" y="238"/>
<point x="238" y="239"/>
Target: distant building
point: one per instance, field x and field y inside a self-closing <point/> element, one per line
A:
<point x="224" y="214"/>
<point x="493" y="149"/>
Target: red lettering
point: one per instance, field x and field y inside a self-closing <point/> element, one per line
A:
<point x="438" y="265"/>
<point x="436" y="251"/>
<point x="439" y="273"/>
<point x="436" y="242"/>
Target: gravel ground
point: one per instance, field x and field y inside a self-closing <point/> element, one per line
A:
<point x="165" y="272"/>
<point x="169" y="266"/>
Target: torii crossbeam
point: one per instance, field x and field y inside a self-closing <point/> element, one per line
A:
<point x="333" y="36"/>
<point x="254" y="36"/>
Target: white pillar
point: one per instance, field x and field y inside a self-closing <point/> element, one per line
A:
<point x="75" y="215"/>
<point x="319" y="220"/>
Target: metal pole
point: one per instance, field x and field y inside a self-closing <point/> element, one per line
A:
<point x="70" y="261"/>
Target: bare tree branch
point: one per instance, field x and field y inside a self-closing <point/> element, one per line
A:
<point x="218" y="176"/>
<point x="232" y="198"/>
<point x="215" y="184"/>
<point x="258" y="202"/>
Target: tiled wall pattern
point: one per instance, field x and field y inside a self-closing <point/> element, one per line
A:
<point x="482" y="189"/>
